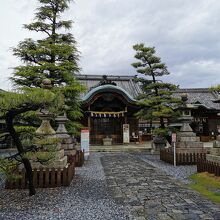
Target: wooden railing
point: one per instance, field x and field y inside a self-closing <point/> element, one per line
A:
<point x="44" y="177"/>
<point x="208" y="166"/>
<point x="181" y="158"/>
<point x="78" y="159"/>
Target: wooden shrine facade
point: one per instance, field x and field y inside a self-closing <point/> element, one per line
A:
<point x="107" y="108"/>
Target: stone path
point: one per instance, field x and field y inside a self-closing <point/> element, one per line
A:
<point x="150" y="193"/>
<point x="181" y="172"/>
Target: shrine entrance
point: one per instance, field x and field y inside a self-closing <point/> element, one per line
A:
<point x="106" y="127"/>
<point x="107" y="108"/>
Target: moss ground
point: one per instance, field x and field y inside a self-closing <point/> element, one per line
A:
<point x="206" y="184"/>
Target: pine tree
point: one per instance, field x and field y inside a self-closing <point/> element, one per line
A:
<point x="156" y="101"/>
<point x="54" y="57"/>
<point x="12" y="106"/>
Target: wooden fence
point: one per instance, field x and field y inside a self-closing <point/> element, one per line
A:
<point x="43" y="178"/>
<point x="208" y="166"/>
<point x="78" y="159"/>
<point x="181" y="158"/>
<point x="46" y="178"/>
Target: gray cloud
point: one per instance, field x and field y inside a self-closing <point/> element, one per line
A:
<point x="185" y="34"/>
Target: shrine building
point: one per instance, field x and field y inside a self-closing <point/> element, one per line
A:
<point x="110" y="103"/>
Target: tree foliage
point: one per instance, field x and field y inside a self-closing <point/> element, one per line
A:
<point x="156" y="100"/>
<point x="54" y="57"/>
<point x="12" y="106"/>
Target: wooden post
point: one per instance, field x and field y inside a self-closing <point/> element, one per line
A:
<point x="89" y="122"/>
<point x="41" y="175"/>
<point x="58" y="177"/>
<point x="89" y="118"/>
<point x="125" y="115"/>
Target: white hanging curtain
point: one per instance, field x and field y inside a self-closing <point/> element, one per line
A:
<point x="107" y="114"/>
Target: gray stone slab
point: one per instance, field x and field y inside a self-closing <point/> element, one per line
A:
<point x="162" y="197"/>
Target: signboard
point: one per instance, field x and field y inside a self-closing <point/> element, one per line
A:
<point x="126" y="134"/>
<point x="218" y="128"/>
<point x="85" y="142"/>
<point x="174" y="137"/>
<point x="174" y="148"/>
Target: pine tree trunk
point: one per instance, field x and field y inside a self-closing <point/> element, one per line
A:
<point x="29" y="173"/>
<point x="27" y="165"/>
<point x="162" y="124"/>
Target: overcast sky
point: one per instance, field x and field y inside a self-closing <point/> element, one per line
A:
<point x="186" y="34"/>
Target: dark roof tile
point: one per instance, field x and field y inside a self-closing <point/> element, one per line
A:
<point x="195" y="95"/>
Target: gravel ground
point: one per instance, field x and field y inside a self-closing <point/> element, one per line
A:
<point x="179" y="172"/>
<point x="2" y="176"/>
<point x="85" y="199"/>
<point x="2" y="180"/>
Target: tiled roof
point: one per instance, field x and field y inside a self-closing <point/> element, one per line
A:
<point x="199" y="96"/>
<point x="125" y="82"/>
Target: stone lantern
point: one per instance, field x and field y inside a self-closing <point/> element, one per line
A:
<point x="45" y="127"/>
<point x="66" y="140"/>
<point x="45" y="131"/>
<point x="186" y="138"/>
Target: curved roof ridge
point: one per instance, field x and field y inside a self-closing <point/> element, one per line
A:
<point x="108" y="88"/>
<point x="112" y="77"/>
<point x="193" y="90"/>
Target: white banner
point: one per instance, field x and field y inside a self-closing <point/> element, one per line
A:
<point x="126" y="134"/>
<point x="85" y="142"/>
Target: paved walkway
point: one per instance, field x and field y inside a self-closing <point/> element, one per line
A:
<point x="121" y="186"/>
<point x="150" y="193"/>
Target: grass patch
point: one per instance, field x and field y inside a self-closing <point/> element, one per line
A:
<point x="206" y="184"/>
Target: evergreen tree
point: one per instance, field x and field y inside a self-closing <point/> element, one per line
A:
<point x="54" y="57"/>
<point x="156" y="100"/>
<point x="12" y="106"/>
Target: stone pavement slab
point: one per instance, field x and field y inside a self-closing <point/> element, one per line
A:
<point x="149" y="193"/>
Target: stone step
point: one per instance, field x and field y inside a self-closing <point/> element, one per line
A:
<point x="120" y="148"/>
